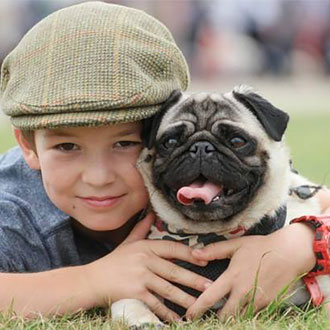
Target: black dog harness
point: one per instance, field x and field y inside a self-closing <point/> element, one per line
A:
<point x="215" y="268"/>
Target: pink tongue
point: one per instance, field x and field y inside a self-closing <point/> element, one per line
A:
<point x="205" y="191"/>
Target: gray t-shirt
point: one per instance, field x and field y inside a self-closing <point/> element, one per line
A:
<point x="34" y="234"/>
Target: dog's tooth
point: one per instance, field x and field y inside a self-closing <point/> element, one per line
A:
<point x="215" y="198"/>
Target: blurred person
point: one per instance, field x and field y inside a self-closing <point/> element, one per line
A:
<point x="326" y="49"/>
<point x="10" y="26"/>
<point x="16" y="17"/>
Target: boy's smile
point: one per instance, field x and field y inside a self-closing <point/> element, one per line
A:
<point x="100" y="202"/>
<point x="90" y="173"/>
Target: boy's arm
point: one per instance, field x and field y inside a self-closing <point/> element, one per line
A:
<point x="136" y="269"/>
<point x="59" y="291"/>
<point x="282" y="256"/>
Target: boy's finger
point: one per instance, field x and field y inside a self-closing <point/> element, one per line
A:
<point x="239" y="303"/>
<point x="171" y="292"/>
<point x="233" y="305"/>
<point x="160" y="309"/>
<point x="175" y="250"/>
<point x="219" y="250"/>
<point x="216" y="291"/>
<point x="141" y="229"/>
<point x="174" y="273"/>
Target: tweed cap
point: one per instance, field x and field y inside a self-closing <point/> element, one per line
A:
<point x="91" y="64"/>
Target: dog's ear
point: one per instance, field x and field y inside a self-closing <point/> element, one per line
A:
<point x="151" y="125"/>
<point x="271" y="118"/>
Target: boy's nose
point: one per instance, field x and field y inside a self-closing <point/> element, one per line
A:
<point x="98" y="173"/>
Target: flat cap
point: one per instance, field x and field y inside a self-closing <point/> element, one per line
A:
<point x="91" y="64"/>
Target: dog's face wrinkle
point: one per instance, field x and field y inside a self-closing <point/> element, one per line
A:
<point x="227" y="161"/>
<point x="180" y="158"/>
<point x="226" y="132"/>
<point x="193" y="122"/>
<point x="166" y="155"/>
<point x="220" y="138"/>
<point x="244" y="179"/>
<point x="179" y="133"/>
<point x="204" y="114"/>
<point x="161" y="173"/>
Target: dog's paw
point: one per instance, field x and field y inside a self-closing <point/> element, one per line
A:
<point x="135" y="314"/>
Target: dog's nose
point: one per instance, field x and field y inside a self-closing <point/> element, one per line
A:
<point x="202" y="148"/>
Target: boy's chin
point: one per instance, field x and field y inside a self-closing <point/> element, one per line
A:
<point x="107" y="231"/>
<point x="99" y="226"/>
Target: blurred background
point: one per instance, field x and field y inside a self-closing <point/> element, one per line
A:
<point x="280" y="47"/>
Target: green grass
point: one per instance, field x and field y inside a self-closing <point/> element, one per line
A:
<point x="270" y="319"/>
<point x="6" y="138"/>
<point x="308" y="138"/>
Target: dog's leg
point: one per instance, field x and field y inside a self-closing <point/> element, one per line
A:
<point x="135" y="314"/>
<point x="298" y="294"/>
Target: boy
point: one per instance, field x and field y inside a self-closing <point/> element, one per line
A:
<point x="77" y="194"/>
<point x="76" y="88"/>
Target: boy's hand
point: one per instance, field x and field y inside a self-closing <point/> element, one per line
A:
<point x="138" y="269"/>
<point x="281" y="256"/>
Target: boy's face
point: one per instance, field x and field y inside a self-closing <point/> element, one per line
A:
<point x="90" y="173"/>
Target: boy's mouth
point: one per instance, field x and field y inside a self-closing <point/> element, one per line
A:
<point x="101" y="202"/>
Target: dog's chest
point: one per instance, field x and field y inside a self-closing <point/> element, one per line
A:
<point x="215" y="268"/>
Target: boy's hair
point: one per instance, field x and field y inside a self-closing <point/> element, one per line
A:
<point x="28" y="135"/>
<point x="91" y="64"/>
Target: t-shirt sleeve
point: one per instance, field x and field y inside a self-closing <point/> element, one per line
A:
<point x="21" y="245"/>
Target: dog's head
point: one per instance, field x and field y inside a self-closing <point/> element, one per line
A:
<point x="215" y="161"/>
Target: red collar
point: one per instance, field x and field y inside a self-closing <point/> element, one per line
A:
<point x="313" y="289"/>
<point x="162" y="226"/>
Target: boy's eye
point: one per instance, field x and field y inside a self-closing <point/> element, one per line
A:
<point x="66" y="146"/>
<point x="127" y="144"/>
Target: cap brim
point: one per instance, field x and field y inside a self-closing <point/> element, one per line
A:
<point x="86" y="118"/>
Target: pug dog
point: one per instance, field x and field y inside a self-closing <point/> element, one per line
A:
<point x="216" y="167"/>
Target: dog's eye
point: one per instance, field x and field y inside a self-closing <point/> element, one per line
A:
<point x="170" y="143"/>
<point x="237" y="142"/>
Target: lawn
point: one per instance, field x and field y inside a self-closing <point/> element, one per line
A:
<point x="272" y="318"/>
<point x="308" y="138"/>
<point x="6" y="136"/>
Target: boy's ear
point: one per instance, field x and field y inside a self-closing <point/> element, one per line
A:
<point x="28" y="150"/>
